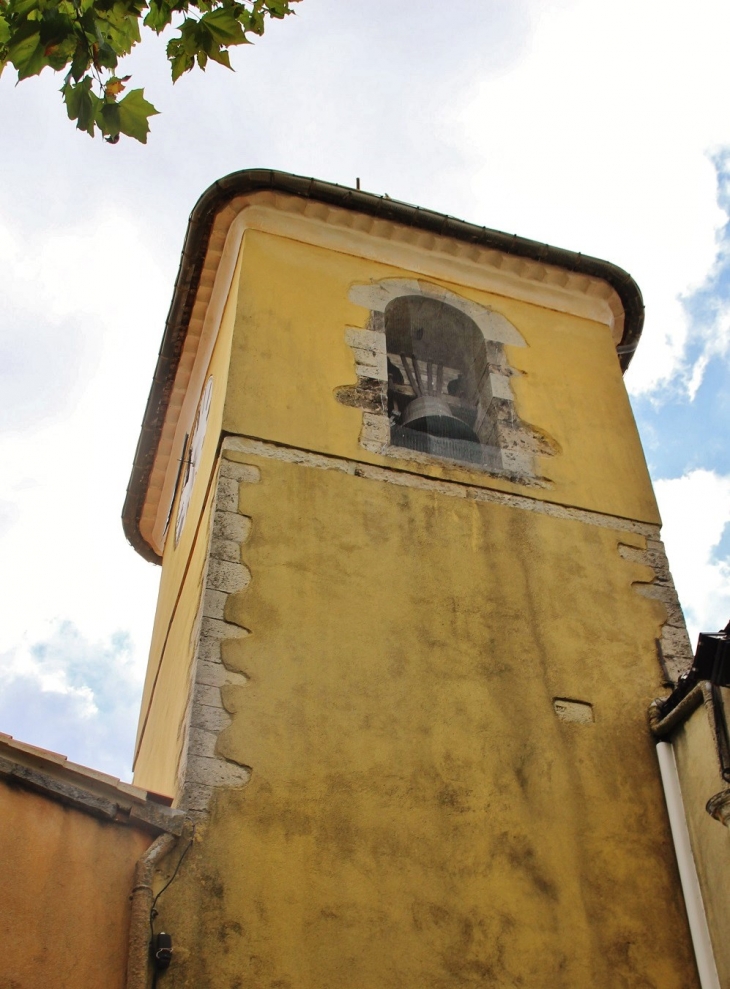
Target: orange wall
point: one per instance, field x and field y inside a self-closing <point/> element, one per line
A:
<point x="64" y="895"/>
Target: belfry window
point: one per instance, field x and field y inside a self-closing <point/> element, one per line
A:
<point x="434" y="380"/>
<point x="437" y="363"/>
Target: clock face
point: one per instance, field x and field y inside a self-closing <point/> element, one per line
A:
<point x="192" y="456"/>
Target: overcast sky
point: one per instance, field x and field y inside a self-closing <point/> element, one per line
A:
<point x="602" y="126"/>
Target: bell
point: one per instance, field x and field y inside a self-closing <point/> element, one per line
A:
<point x="430" y="414"/>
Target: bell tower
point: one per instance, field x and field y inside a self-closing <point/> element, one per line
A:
<point x="413" y="607"/>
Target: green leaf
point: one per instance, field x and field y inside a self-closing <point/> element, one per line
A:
<point x="58" y="56"/>
<point x="189" y="41"/>
<point x="221" y="56"/>
<point x="158" y="16"/>
<point x="21" y="8"/>
<point x="27" y="55"/>
<point x="72" y="94"/>
<point x="180" y="64"/>
<point x="81" y="104"/>
<point x="91" y="36"/>
<point x="81" y="60"/>
<point x="119" y="27"/>
<point x="180" y="60"/>
<point x="108" y="119"/>
<point x="106" y="57"/>
<point x="256" y="20"/>
<point x="134" y="114"/>
<point x="223" y="27"/>
<point x="279" y="8"/>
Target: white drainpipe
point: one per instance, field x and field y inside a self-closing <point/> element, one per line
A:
<point x="687" y="871"/>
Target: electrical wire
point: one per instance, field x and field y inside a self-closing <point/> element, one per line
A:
<point x="153" y="911"/>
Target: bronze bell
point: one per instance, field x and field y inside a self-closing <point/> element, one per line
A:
<point x="431" y="414"/>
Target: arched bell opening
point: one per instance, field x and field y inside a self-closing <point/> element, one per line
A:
<point x="437" y="360"/>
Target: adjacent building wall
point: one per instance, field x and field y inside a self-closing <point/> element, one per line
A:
<point x="700" y="779"/>
<point x="65" y="884"/>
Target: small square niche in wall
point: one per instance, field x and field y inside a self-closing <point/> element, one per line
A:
<point x="578" y="712"/>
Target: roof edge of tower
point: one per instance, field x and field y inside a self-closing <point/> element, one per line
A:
<point x="252" y="180"/>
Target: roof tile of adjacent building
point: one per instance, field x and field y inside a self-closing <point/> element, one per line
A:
<point x="84" y="789"/>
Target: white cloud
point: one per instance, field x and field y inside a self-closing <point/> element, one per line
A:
<point x="85" y="309"/>
<point x="598" y="141"/>
<point x="696" y="509"/>
<point x="72" y="695"/>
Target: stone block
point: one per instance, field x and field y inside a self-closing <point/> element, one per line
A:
<point x="368" y="367"/>
<point x="196" y="797"/>
<point x="365" y="339"/>
<point x="214" y="603"/>
<point x="575" y="712"/>
<point x="226" y="576"/>
<point x="516" y="462"/>
<point x="231" y="526"/>
<point x="202" y="742"/>
<point x="375" y="429"/>
<point x="216" y="772"/>
<point x="225" y="549"/>
<point x="495" y="353"/>
<point x="206" y="695"/>
<point x="246" y="473"/>
<point x="216" y="674"/>
<point x="227" y="494"/>
<point x="498" y="386"/>
<point x="209" y="650"/>
<point x="213" y="719"/>
<point x="676" y="646"/>
<point x="214" y="628"/>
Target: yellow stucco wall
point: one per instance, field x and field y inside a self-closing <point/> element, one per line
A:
<point x="289" y="305"/>
<point x="417" y="814"/>
<point x="161" y="722"/>
<point x="290" y="355"/>
<point x="64" y="895"/>
<point x="700" y="779"/>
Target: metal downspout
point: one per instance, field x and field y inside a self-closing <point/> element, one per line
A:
<point x="699" y="930"/>
<point x="138" y="952"/>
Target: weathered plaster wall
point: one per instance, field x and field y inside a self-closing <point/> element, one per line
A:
<point x="407" y="702"/>
<point x="64" y="895"/>
<point x="418" y="812"/>
<point x="699" y="774"/>
<point x="163" y="720"/>
<point x="291" y="354"/>
<point x="160" y="735"/>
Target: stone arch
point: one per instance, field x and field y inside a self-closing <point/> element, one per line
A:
<point x="376" y="296"/>
<point x="504" y="444"/>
